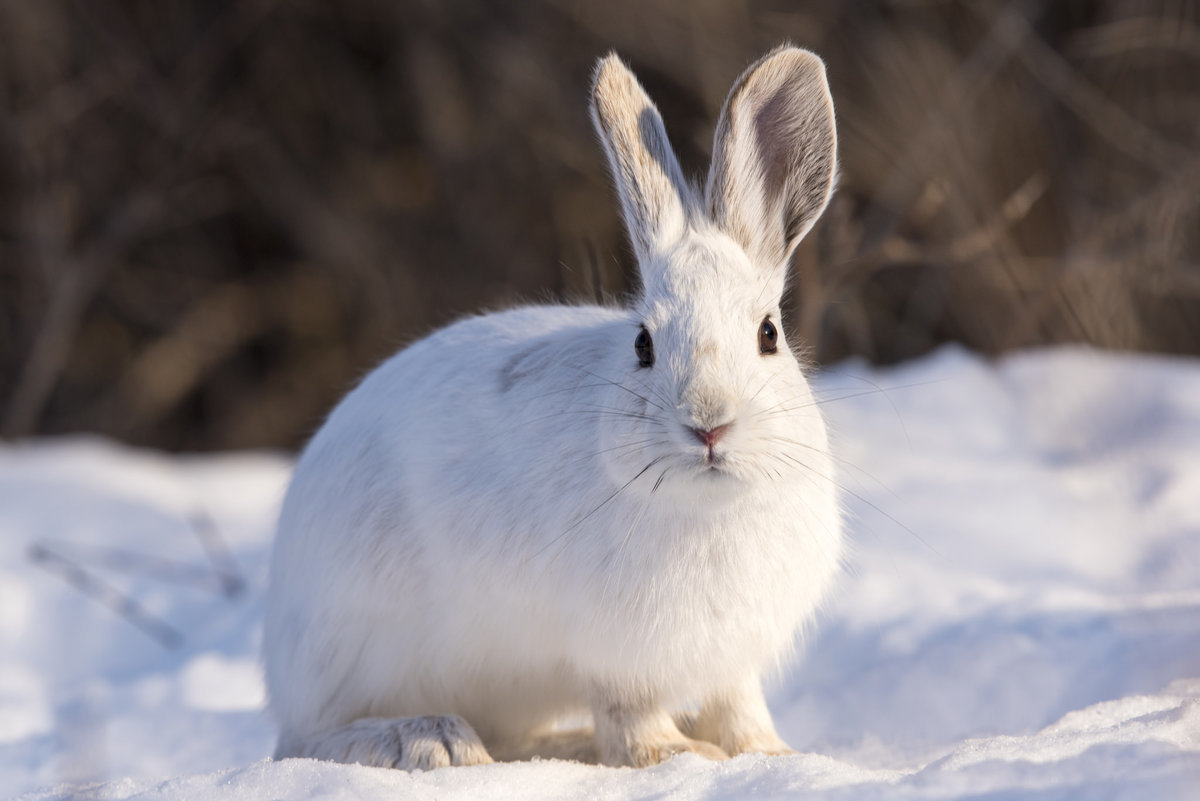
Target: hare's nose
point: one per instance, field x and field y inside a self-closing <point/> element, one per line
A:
<point x="709" y="436"/>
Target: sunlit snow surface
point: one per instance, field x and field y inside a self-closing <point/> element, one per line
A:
<point x="1021" y="618"/>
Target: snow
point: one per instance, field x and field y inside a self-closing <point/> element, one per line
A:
<point x="1021" y="618"/>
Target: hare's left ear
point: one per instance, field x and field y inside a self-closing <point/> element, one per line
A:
<point x="774" y="155"/>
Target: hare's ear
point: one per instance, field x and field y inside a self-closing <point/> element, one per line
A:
<point x="774" y="155"/>
<point x="655" y="198"/>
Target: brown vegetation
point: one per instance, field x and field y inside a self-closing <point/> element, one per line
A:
<point x="215" y="216"/>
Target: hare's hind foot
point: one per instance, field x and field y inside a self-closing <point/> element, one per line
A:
<point x="738" y="721"/>
<point x="421" y="743"/>
<point x="643" y="734"/>
<point x="579" y="745"/>
<point x="572" y="745"/>
<point x="649" y="745"/>
<point x="652" y="752"/>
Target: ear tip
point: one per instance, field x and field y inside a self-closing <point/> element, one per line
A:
<point x="615" y="89"/>
<point x="795" y="57"/>
<point x="611" y="57"/>
<point x="609" y="68"/>
<point x="786" y="65"/>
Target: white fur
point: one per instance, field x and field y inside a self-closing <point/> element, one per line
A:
<point x="511" y="522"/>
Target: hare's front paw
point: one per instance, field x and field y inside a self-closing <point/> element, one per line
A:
<point x="424" y="743"/>
<point x="643" y="755"/>
<point x="438" y="741"/>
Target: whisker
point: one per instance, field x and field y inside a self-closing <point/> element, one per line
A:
<point x="655" y="391"/>
<point x="810" y="471"/>
<point x="615" y="410"/>
<point x="599" y="413"/>
<point x="622" y="446"/>
<point x="600" y="506"/>
<point x="575" y="387"/>
<point x="619" y="385"/>
<point x="619" y="561"/>
<point x="765" y="384"/>
<point x="763" y="291"/>
<point x="884" y="390"/>
<point x="839" y="460"/>
<point x="822" y="401"/>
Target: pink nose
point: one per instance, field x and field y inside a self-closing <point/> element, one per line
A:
<point x="709" y="436"/>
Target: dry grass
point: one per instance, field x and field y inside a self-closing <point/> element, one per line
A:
<point x="215" y="216"/>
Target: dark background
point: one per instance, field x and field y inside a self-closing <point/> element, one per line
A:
<point x="215" y="217"/>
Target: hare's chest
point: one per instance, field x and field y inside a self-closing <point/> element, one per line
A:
<point x="706" y="599"/>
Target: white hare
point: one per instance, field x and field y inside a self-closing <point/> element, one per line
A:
<point x="555" y="510"/>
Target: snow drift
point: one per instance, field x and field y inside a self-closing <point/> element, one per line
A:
<point x="1021" y="618"/>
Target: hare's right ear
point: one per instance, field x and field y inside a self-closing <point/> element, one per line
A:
<point x="655" y="198"/>
<point x="774" y="156"/>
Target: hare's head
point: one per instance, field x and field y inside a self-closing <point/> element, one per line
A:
<point x="726" y="395"/>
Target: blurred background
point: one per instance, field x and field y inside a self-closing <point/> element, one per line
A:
<point x="215" y="217"/>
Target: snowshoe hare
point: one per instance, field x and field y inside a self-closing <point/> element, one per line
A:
<point x="554" y="510"/>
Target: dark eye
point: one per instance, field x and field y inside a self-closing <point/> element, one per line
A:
<point x="767" y="336"/>
<point x="644" y="346"/>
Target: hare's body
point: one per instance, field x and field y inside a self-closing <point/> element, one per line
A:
<point x="513" y="521"/>
<point x="443" y="573"/>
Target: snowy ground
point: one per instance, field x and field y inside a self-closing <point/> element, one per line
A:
<point x="1022" y="619"/>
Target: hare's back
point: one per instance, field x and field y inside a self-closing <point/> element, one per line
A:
<point x="493" y="362"/>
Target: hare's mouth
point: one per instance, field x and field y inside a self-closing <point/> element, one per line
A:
<point x="713" y="463"/>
